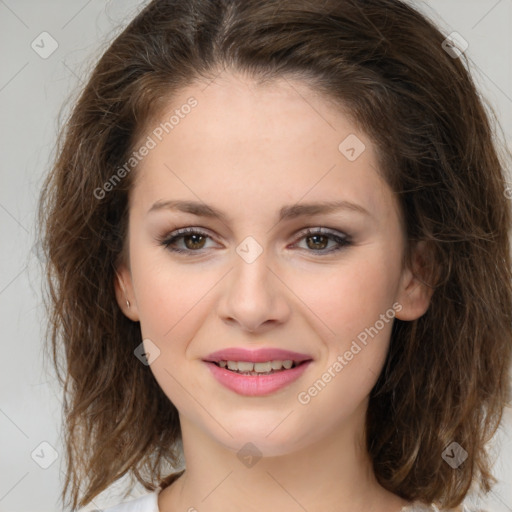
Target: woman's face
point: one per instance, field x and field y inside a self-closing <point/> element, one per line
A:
<point x="242" y="167"/>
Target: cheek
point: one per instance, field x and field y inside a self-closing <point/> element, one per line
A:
<point x="169" y="294"/>
<point x="173" y="302"/>
<point x="350" y="298"/>
<point x="356" y="313"/>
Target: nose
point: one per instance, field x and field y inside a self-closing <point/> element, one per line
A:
<point x="254" y="297"/>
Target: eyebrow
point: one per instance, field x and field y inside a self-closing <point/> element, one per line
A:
<point x="285" y="213"/>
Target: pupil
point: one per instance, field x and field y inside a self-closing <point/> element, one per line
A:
<point x="193" y="245"/>
<point x="316" y="237"/>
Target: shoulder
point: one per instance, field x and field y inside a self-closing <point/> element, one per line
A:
<point x="146" y="503"/>
<point x="421" y="507"/>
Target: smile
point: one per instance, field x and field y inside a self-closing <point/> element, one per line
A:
<point x="256" y="372"/>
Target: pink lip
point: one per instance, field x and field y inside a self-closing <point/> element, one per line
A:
<point x="256" y="385"/>
<point x="256" y="356"/>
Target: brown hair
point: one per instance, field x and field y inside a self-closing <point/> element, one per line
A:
<point x="446" y="377"/>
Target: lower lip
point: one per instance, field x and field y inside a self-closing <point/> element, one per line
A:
<point x="256" y="385"/>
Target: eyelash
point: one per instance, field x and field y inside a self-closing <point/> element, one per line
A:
<point x="342" y="241"/>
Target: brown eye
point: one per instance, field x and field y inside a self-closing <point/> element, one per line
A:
<point x="186" y="240"/>
<point x="318" y="241"/>
<point x="194" y="242"/>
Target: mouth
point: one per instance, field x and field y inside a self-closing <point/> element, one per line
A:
<point x="257" y="372"/>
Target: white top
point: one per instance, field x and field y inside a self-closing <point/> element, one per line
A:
<point x="149" y="503"/>
<point x="146" y="503"/>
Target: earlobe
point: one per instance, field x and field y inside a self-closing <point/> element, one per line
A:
<point x="415" y="289"/>
<point x="124" y="293"/>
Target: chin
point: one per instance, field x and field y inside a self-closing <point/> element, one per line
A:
<point x="268" y="436"/>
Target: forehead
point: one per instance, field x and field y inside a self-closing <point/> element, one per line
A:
<point x="258" y="142"/>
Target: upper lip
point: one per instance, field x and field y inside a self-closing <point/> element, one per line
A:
<point x="256" y="356"/>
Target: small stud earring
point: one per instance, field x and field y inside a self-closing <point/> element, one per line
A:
<point x="122" y="287"/>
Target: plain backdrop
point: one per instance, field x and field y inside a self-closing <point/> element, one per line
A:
<point x="35" y="88"/>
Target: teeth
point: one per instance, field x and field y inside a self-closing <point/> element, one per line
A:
<point x="265" y="367"/>
<point x="261" y="367"/>
<point x="232" y="365"/>
<point x="243" y="367"/>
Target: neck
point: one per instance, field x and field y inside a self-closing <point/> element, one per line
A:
<point x="335" y="473"/>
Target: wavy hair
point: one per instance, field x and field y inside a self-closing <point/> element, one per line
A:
<point x="447" y="374"/>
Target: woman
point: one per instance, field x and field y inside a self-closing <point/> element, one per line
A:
<point x="278" y="241"/>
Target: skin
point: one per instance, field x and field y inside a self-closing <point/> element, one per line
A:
<point x="248" y="150"/>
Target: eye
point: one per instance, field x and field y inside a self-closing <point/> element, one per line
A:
<point x="317" y="239"/>
<point x="193" y="239"/>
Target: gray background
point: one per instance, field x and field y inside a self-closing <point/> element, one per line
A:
<point x="34" y="93"/>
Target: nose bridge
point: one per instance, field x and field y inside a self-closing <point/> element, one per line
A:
<point x="252" y="296"/>
<point x="250" y="278"/>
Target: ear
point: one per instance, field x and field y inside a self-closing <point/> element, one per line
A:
<point x="415" y="289"/>
<point x="124" y="292"/>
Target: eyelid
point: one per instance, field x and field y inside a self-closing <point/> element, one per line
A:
<point x="315" y="230"/>
<point x="339" y="237"/>
<point x="181" y="232"/>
